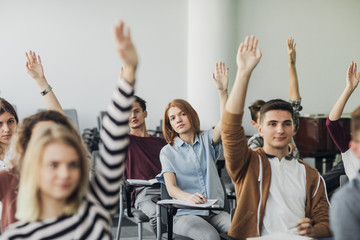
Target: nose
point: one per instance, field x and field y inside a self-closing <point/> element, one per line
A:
<point x="63" y="172"/>
<point x="280" y="129"/>
<point x="178" y="119"/>
<point x="132" y="114"/>
<point x="6" y="127"/>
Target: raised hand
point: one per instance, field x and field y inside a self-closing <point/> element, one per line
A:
<point x="291" y="44"/>
<point x="352" y="79"/>
<point x="34" y="66"/>
<point x="248" y="56"/>
<point x="125" y="46"/>
<point x="221" y="76"/>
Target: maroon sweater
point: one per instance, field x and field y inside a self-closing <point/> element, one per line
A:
<point x="8" y="195"/>
<point x="142" y="160"/>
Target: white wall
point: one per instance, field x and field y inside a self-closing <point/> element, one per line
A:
<point x="74" y="39"/>
<point x="327" y="40"/>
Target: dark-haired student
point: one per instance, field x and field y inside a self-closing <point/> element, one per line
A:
<point x="9" y="177"/>
<point x="275" y="192"/>
<point x="142" y="160"/>
<point x="256" y="141"/>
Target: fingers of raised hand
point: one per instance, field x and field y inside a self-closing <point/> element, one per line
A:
<point x="246" y="43"/>
<point x="33" y="57"/>
<point x="119" y="31"/>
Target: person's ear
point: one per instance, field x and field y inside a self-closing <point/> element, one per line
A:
<point x="260" y="129"/>
<point x="254" y="123"/>
<point x="145" y="114"/>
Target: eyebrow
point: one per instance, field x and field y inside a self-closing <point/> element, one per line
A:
<point x="176" y="114"/>
<point x="276" y="121"/>
<point x="11" y="118"/>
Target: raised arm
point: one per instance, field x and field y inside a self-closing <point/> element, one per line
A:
<point x="236" y="151"/>
<point x="247" y="58"/>
<point x="294" y="93"/>
<point x="114" y="139"/>
<point x="221" y="80"/>
<point x="35" y="70"/>
<point x="127" y="52"/>
<point x="352" y="80"/>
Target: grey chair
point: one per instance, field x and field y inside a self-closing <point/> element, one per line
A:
<point x="166" y="212"/>
<point x="70" y="113"/>
<point x="125" y="206"/>
<point x="343" y="180"/>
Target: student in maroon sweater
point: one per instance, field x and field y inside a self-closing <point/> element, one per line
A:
<point x="142" y="160"/>
<point x="349" y="164"/>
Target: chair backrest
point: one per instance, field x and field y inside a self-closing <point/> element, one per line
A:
<point x="72" y="114"/>
<point x="163" y="195"/>
<point x="343" y="179"/>
<point x="100" y="118"/>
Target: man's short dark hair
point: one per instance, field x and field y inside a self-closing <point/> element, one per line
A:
<point x="276" y="104"/>
<point x="255" y="108"/>
<point x="142" y="102"/>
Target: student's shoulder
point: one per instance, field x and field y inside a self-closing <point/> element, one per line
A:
<point x="159" y="140"/>
<point x="310" y="171"/>
<point x="349" y="194"/>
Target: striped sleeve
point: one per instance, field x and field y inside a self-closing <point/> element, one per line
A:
<point x="112" y="148"/>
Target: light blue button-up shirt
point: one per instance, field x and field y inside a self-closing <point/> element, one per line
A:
<point x="194" y="168"/>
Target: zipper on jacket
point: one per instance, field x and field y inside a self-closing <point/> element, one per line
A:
<point x="259" y="205"/>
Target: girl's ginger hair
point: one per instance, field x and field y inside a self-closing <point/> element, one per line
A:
<point x="168" y="131"/>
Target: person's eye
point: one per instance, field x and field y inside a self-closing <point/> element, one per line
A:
<point x="74" y="165"/>
<point x="288" y="124"/>
<point x="11" y="121"/>
<point x="53" y="165"/>
<point x="183" y="114"/>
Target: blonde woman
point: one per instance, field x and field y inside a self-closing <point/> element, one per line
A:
<point x="55" y="199"/>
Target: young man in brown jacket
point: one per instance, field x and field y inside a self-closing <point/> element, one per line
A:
<point x="275" y="192"/>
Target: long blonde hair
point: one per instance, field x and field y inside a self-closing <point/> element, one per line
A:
<point x="28" y="200"/>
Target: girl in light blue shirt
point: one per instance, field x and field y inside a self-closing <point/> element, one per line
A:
<point x="188" y="165"/>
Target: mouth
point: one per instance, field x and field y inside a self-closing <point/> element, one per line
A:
<point x="181" y="126"/>
<point x="6" y="136"/>
<point x="280" y="138"/>
<point x="64" y="186"/>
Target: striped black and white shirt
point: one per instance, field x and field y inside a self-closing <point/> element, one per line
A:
<point x="92" y="220"/>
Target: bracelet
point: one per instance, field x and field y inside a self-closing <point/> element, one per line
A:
<point x="46" y="91"/>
